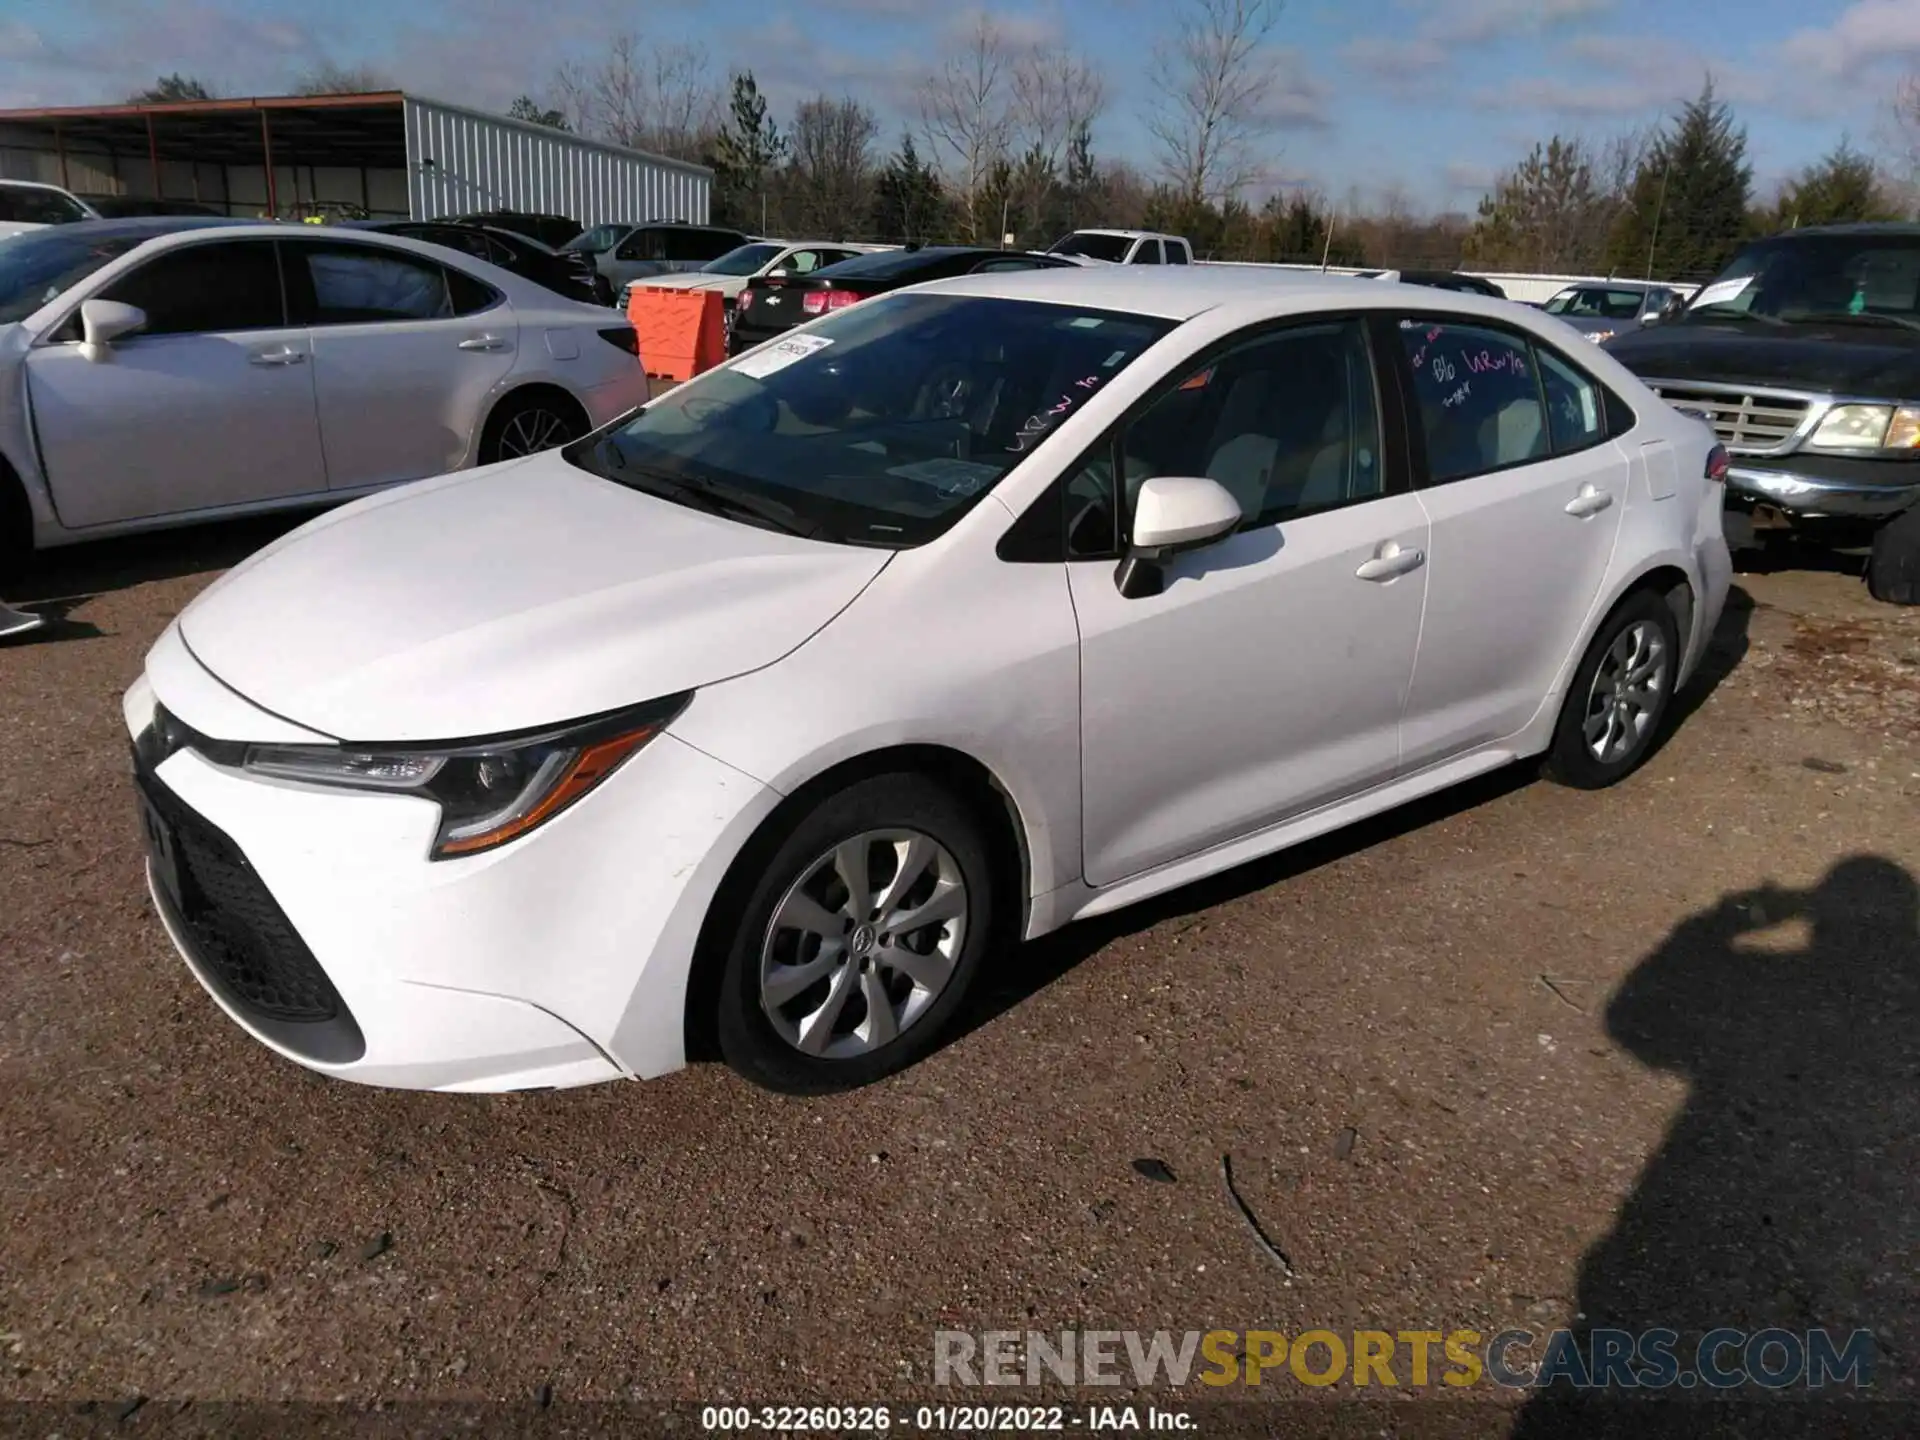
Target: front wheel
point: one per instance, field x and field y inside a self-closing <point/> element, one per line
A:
<point x="1619" y="697"/>
<point x="858" y="939"/>
<point x="1893" y="571"/>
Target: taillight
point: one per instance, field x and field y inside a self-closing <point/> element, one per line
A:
<point x="1718" y="464"/>
<point x="819" y="302"/>
<point x="625" y="336"/>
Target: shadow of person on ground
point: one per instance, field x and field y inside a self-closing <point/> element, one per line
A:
<point x="1787" y="1193"/>
<point x="69" y="575"/>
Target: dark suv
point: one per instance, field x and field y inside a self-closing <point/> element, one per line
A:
<point x="1804" y="356"/>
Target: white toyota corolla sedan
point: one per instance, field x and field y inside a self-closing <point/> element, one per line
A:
<point x="164" y="371"/>
<point x="759" y="719"/>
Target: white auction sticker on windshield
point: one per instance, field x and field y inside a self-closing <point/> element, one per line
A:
<point x="1721" y="291"/>
<point x="780" y="354"/>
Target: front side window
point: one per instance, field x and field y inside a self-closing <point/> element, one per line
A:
<point x="600" y="237"/>
<point x="357" y="285"/>
<point x="206" y="289"/>
<point x="1478" y="398"/>
<point x="879" y="425"/>
<point x="1288" y="424"/>
<point x="643" y="245"/>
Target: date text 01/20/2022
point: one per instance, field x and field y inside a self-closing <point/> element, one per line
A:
<point x="949" y="1419"/>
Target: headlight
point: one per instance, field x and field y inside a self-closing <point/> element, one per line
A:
<point x="1869" y="427"/>
<point x="489" y="791"/>
<point x="1600" y="336"/>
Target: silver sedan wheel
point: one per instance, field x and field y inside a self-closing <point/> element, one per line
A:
<point x="863" y="943"/>
<point x="1627" y="693"/>
<point x="532" y="431"/>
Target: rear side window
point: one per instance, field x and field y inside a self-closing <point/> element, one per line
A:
<point x="1176" y="252"/>
<point x="644" y="245"/>
<point x="1576" y="407"/>
<point x="468" y="294"/>
<point x="699" y="245"/>
<point x="1478" y="396"/>
<point x="358" y="284"/>
<point x="206" y="289"/>
<point x="1147" y="254"/>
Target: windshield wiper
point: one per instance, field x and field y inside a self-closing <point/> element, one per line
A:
<point x="1864" y="317"/>
<point x="719" y="498"/>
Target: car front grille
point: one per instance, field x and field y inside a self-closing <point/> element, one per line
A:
<point x="1750" y="422"/>
<point x="238" y="933"/>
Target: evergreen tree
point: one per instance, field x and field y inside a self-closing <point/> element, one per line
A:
<point x="1083" y="178"/>
<point x="1548" y="214"/>
<point x="531" y="110"/>
<point x="1686" y="212"/>
<point x="908" y="204"/>
<point x="172" y="87"/>
<point x="746" y="155"/>
<point x="1296" y="231"/>
<point x="1843" y="186"/>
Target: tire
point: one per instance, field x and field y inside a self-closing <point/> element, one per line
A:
<point x="527" y="423"/>
<point x="816" y="1029"/>
<point x="1640" y="638"/>
<point x="16" y="529"/>
<point x="1893" y="571"/>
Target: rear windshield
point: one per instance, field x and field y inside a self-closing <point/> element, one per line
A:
<point x="1596" y="303"/>
<point x="38" y="266"/>
<point x="1094" y="247"/>
<point x="879" y="425"/>
<point x="884" y="264"/>
<point x="745" y="260"/>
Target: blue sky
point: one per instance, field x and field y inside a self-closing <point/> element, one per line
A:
<point x="1431" y="96"/>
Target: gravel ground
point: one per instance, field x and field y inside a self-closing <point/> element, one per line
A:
<point x="1522" y="1057"/>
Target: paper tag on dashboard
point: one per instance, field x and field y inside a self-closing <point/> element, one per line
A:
<point x="1720" y="291"/>
<point x="781" y="354"/>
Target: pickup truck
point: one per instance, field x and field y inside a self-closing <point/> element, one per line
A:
<point x="1804" y="357"/>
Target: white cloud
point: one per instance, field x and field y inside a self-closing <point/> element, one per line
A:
<point x="1867" y="33"/>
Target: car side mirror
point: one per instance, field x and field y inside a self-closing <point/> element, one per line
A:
<point x="1172" y="514"/>
<point x="104" y="321"/>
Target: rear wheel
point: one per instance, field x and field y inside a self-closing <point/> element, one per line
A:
<point x="529" y="423"/>
<point x="1893" y="570"/>
<point x="1619" y="697"/>
<point x="858" y="939"/>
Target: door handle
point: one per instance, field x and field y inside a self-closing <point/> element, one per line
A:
<point x="285" y="355"/>
<point x="1390" y="561"/>
<point x="483" y="342"/>
<point x="1590" y="501"/>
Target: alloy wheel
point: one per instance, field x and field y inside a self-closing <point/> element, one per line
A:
<point x="1628" y="691"/>
<point x="531" y="431"/>
<point x="863" y="943"/>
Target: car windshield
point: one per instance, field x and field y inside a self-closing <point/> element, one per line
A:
<point x="1819" y="276"/>
<point x="1094" y="247"/>
<point x="1597" y="304"/>
<point x="745" y="260"/>
<point x="33" y="205"/>
<point x="37" y="266"/>
<point x="599" y="238"/>
<point x="879" y="425"/>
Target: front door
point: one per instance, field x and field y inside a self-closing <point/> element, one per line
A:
<point x="1525" y="488"/>
<point x="209" y="404"/>
<point x="1268" y="676"/>
<point x="406" y="353"/>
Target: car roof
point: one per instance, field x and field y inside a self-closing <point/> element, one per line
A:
<point x="1901" y="228"/>
<point x="1182" y="293"/>
<point x="149" y="227"/>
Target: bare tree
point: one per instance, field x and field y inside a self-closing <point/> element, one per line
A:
<point x="1212" y="83"/>
<point x="1906" y="138"/>
<point x="327" y="78"/>
<point x="662" y="98"/>
<point x="1057" y="95"/>
<point x="832" y="166"/>
<point x="967" y="112"/>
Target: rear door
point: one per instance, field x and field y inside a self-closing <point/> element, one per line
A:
<point x="210" y="404"/>
<point x="407" y="354"/>
<point x="1525" y="488"/>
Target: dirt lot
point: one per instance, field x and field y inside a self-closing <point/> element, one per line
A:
<point x="1523" y="1058"/>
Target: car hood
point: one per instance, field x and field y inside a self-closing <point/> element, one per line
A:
<point x="1842" y="359"/>
<point x="509" y="598"/>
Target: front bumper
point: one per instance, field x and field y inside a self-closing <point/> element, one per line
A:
<point x="560" y="959"/>
<point x="1816" y="499"/>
